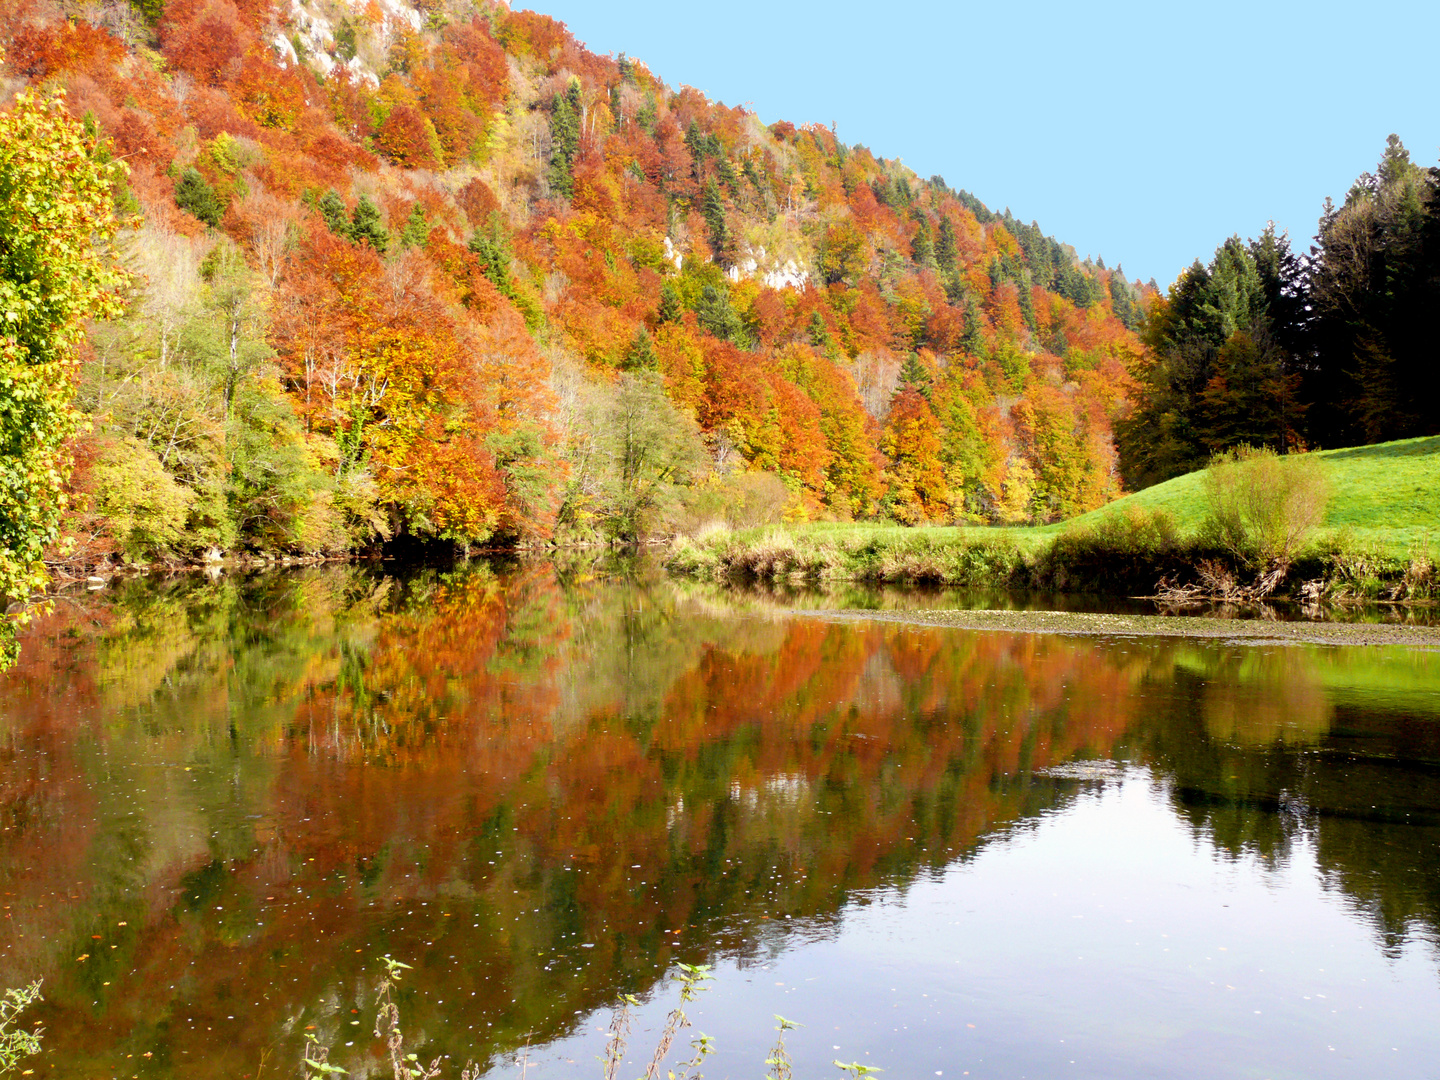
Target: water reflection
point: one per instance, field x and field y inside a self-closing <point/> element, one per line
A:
<point x="221" y="801"/>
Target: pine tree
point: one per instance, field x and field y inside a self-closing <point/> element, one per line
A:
<point x="1249" y="400"/>
<point x="922" y="248"/>
<point x="493" y="254"/>
<point x="1074" y="285"/>
<point x="1027" y="309"/>
<point x="947" y="250"/>
<point x="1237" y="293"/>
<point x="672" y="306"/>
<point x="416" y="230"/>
<point x="914" y="375"/>
<point x="649" y="115"/>
<point x="728" y="176"/>
<point x="332" y="209"/>
<point x="973" y="339"/>
<point x="713" y="209"/>
<point x="1120" y="299"/>
<point x="565" y="139"/>
<point x="695" y="142"/>
<point x="194" y="194"/>
<point x="641" y="355"/>
<point x="719" y="317"/>
<point x="365" y="226"/>
<point x="818" y="331"/>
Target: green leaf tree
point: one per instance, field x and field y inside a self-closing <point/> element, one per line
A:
<point x="56" y="270"/>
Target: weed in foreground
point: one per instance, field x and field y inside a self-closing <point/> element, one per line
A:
<point x="315" y="1064"/>
<point x="16" y="1044"/>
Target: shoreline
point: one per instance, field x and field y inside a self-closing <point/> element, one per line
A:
<point x="1131" y="559"/>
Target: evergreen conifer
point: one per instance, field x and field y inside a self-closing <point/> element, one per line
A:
<point x="332" y="210"/>
<point x="416" y="230"/>
<point x="642" y="355"/>
<point x="713" y="209"/>
<point x="194" y="194"/>
<point x="365" y="226"/>
<point x="565" y="139"/>
<point x="672" y="306"/>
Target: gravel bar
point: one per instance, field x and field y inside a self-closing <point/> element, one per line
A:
<point x="1240" y="631"/>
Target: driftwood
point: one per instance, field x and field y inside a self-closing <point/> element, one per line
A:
<point x="1217" y="582"/>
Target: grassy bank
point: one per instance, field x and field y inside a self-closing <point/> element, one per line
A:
<point x="1385" y="498"/>
<point x="1378" y="540"/>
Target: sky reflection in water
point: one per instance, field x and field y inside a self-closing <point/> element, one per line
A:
<point x="544" y="788"/>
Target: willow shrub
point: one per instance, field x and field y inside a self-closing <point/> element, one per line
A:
<point x="1263" y="508"/>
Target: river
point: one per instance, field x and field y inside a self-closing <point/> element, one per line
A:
<point x="942" y="851"/>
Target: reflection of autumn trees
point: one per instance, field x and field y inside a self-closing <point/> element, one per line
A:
<point x="272" y="782"/>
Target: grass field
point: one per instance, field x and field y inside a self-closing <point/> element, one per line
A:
<point x="1384" y="502"/>
<point x="1387" y="496"/>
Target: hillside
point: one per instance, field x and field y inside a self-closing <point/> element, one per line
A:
<point x="1383" y="496"/>
<point x="440" y="272"/>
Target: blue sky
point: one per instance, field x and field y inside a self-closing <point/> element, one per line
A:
<point x="1143" y="133"/>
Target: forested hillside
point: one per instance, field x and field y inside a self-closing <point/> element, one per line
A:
<point x="443" y="273"/>
<point x="1326" y="349"/>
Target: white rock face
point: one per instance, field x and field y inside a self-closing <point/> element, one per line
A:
<point x="787" y="275"/>
<point x="671" y="255"/>
<point x="790" y="276"/>
<point x="309" y="23"/>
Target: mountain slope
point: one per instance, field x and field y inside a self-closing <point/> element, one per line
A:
<point x="440" y="271"/>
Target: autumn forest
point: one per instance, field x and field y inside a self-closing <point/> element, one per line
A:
<point x="444" y="275"/>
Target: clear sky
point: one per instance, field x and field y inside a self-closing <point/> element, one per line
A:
<point x="1143" y="133"/>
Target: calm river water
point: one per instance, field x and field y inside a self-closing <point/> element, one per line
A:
<point x="943" y="852"/>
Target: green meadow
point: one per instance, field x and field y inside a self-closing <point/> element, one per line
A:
<point x="1385" y="498"/>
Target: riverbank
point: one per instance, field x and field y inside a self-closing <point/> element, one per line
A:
<point x="1116" y="555"/>
<point x="1377" y="541"/>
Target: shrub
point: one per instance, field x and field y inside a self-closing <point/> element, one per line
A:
<point x="1122" y="550"/>
<point x="740" y="500"/>
<point x="1263" y="508"/>
<point x="147" y="510"/>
